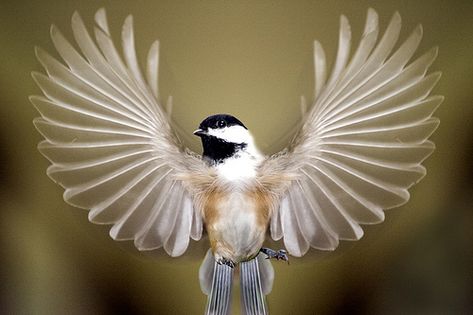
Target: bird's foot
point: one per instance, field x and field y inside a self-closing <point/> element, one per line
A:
<point x="225" y="261"/>
<point x="278" y="255"/>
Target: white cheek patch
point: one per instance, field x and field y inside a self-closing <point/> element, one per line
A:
<point x="234" y="134"/>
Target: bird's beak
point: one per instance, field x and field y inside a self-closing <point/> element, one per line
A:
<point x="199" y="133"/>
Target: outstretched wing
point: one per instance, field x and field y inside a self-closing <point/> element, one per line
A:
<point x="110" y="144"/>
<point x="362" y="143"/>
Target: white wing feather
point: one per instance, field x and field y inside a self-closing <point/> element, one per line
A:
<point x="110" y="144"/>
<point x="362" y="143"/>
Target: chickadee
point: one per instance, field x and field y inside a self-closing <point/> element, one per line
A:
<point x="113" y="149"/>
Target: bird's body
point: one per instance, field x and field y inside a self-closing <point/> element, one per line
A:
<point x="236" y="217"/>
<point x="236" y="208"/>
<point x="359" y="149"/>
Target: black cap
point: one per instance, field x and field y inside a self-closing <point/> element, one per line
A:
<point x="220" y="121"/>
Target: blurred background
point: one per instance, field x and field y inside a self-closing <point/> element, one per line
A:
<point x="252" y="59"/>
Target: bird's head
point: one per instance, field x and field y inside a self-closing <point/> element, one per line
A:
<point x="222" y="137"/>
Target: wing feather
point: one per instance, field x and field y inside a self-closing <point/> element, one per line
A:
<point x="99" y="81"/>
<point x="178" y="240"/>
<point x="319" y="68"/>
<point x="101" y="20"/>
<point x="138" y="214"/>
<point x="344" y="43"/>
<point x="160" y="222"/>
<point x="114" y="207"/>
<point x="294" y="241"/>
<point x="110" y="143"/>
<point x="334" y="212"/>
<point x="153" y="67"/>
<point x="362" y="143"/>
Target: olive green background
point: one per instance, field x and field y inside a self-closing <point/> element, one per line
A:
<point x="251" y="59"/>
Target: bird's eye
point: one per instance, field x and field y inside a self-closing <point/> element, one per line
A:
<point x="221" y="124"/>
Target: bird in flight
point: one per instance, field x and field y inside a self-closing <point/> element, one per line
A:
<point x="113" y="148"/>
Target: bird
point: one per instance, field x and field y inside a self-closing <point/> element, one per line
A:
<point x="113" y="147"/>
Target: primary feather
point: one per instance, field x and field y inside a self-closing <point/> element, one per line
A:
<point x="361" y="144"/>
<point x="110" y="143"/>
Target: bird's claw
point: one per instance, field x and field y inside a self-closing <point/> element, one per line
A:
<point x="227" y="262"/>
<point x="278" y="255"/>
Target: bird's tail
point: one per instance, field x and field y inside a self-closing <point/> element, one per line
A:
<point x="216" y="281"/>
<point x="256" y="281"/>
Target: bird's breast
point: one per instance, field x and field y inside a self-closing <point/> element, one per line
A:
<point x="236" y="221"/>
<point x="241" y="166"/>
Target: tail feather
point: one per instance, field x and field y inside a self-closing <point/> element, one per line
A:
<point x="220" y="297"/>
<point x="206" y="273"/>
<point x="256" y="281"/>
<point x="252" y="294"/>
<point x="266" y="271"/>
